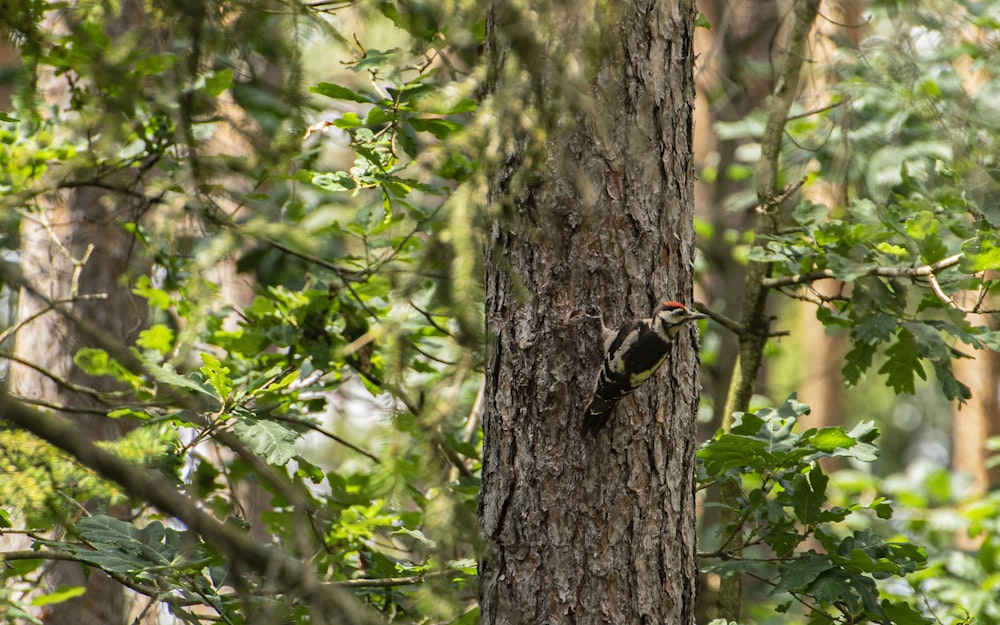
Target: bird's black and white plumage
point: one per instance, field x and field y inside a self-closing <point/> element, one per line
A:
<point x="631" y="356"/>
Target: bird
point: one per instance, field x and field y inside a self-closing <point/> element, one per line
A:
<point x="631" y="356"/>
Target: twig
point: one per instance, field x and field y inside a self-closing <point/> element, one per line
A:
<point x="47" y="308"/>
<point x="60" y="407"/>
<point x="730" y="324"/>
<point x="387" y="582"/>
<point x="325" y="432"/>
<point x="101" y="396"/>
<point x="936" y="287"/>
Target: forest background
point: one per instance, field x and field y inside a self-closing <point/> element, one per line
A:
<point x="242" y="248"/>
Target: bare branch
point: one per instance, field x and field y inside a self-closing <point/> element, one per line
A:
<point x="730" y="324"/>
<point x="388" y="582"/>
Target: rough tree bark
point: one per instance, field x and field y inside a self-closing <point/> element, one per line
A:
<point x="590" y="208"/>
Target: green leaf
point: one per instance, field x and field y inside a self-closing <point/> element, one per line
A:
<point x="440" y="128"/>
<point x="902" y="361"/>
<point x="846" y="269"/>
<point x="730" y="567"/>
<point x="874" y="329"/>
<point x="901" y="613"/>
<point x="121" y="547"/>
<point x="981" y="253"/>
<point x="418" y="535"/>
<point x="793" y="408"/>
<point x="339" y="92"/>
<point x="270" y="439"/>
<point x="830" y="439"/>
<point x="950" y="385"/>
<point x="810" y="215"/>
<point x="731" y="451"/>
<point x="166" y="374"/>
<point x="158" y="338"/>
<point x="866" y="432"/>
<point x="374" y="59"/>
<point x="418" y="19"/>
<point x="772" y="252"/>
<point x="924" y="228"/>
<point x="464" y="105"/>
<point x="857" y="361"/>
<point x="63" y="593"/>
<point x="800" y="573"/>
<point x="892" y="250"/>
<point x="97" y="362"/>
<point x="883" y="509"/>
<point x="157" y="298"/>
<point x="216" y="375"/>
<point x="218" y="82"/>
<point x="335" y="181"/>
<point x="863" y="211"/>
<point x="155" y="64"/>
<point x="349" y="119"/>
<point x="929" y="341"/>
<point x="129" y="412"/>
<point x="832" y="586"/>
<point x="808" y="494"/>
<point x="377" y="116"/>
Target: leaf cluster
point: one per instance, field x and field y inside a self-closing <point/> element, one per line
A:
<point x="906" y="138"/>
<point x="785" y="533"/>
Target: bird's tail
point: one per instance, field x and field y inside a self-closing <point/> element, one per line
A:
<point x="597" y="415"/>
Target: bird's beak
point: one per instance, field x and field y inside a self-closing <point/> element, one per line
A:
<point x="697" y="315"/>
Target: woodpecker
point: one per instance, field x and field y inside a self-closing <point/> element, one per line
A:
<point x="631" y="356"/>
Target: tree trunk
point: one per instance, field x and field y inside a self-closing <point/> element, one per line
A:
<point x="596" y="216"/>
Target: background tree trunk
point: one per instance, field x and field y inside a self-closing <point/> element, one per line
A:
<point x="55" y="239"/>
<point x="978" y="420"/>
<point x="600" y="215"/>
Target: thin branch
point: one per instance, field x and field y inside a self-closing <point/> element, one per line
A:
<point x="730" y="324"/>
<point x="388" y="582"/>
<point x="69" y="556"/>
<point x="48" y="308"/>
<point x="414" y="408"/>
<point x="922" y="271"/>
<point x="944" y="297"/>
<point x="818" y="111"/>
<point x="61" y="407"/>
<point x="101" y="396"/>
<point x="325" y="432"/>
